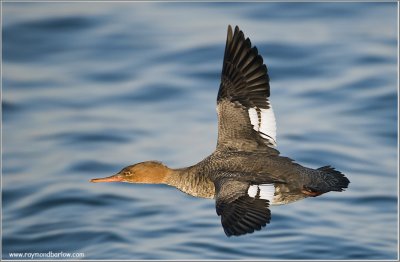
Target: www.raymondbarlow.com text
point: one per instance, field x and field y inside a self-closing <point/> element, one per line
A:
<point x="50" y="254"/>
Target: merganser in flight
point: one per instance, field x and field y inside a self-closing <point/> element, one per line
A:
<point x="245" y="174"/>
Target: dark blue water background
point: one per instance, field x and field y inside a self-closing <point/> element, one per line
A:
<point x="89" y="88"/>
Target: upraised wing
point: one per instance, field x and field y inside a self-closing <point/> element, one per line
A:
<point x="246" y="121"/>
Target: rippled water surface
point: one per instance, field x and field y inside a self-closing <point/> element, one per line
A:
<point x="89" y="88"/>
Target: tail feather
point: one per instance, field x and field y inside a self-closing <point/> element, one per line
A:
<point x="335" y="180"/>
<point x="327" y="179"/>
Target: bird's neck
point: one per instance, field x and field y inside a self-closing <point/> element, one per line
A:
<point x="191" y="182"/>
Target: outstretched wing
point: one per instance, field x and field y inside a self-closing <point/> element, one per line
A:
<point x="246" y="121"/>
<point x="243" y="207"/>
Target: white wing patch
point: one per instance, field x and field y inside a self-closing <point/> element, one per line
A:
<point x="264" y="123"/>
<point x="252" y="191"/>
<point x="263" y="191"/>
<point x="254" y="118"/>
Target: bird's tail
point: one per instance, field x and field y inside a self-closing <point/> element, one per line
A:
<point x="326" y="179"/>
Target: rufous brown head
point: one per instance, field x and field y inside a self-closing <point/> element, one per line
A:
<point x="150" y="172"/>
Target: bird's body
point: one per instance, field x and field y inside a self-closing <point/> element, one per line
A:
<point x="245" y="174"/>
<point x="251" y="168"/>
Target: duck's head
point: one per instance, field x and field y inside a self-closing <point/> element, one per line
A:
<point x="150" y="172"/>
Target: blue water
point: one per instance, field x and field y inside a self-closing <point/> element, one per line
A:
<point x="89" y="88"/>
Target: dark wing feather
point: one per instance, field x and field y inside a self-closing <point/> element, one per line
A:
<point x="240" y="213"/>
<point x="244" y="86"/>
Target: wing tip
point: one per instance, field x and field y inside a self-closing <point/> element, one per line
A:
<point x="256" y="216"/>
<point x="229" y="34"/>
